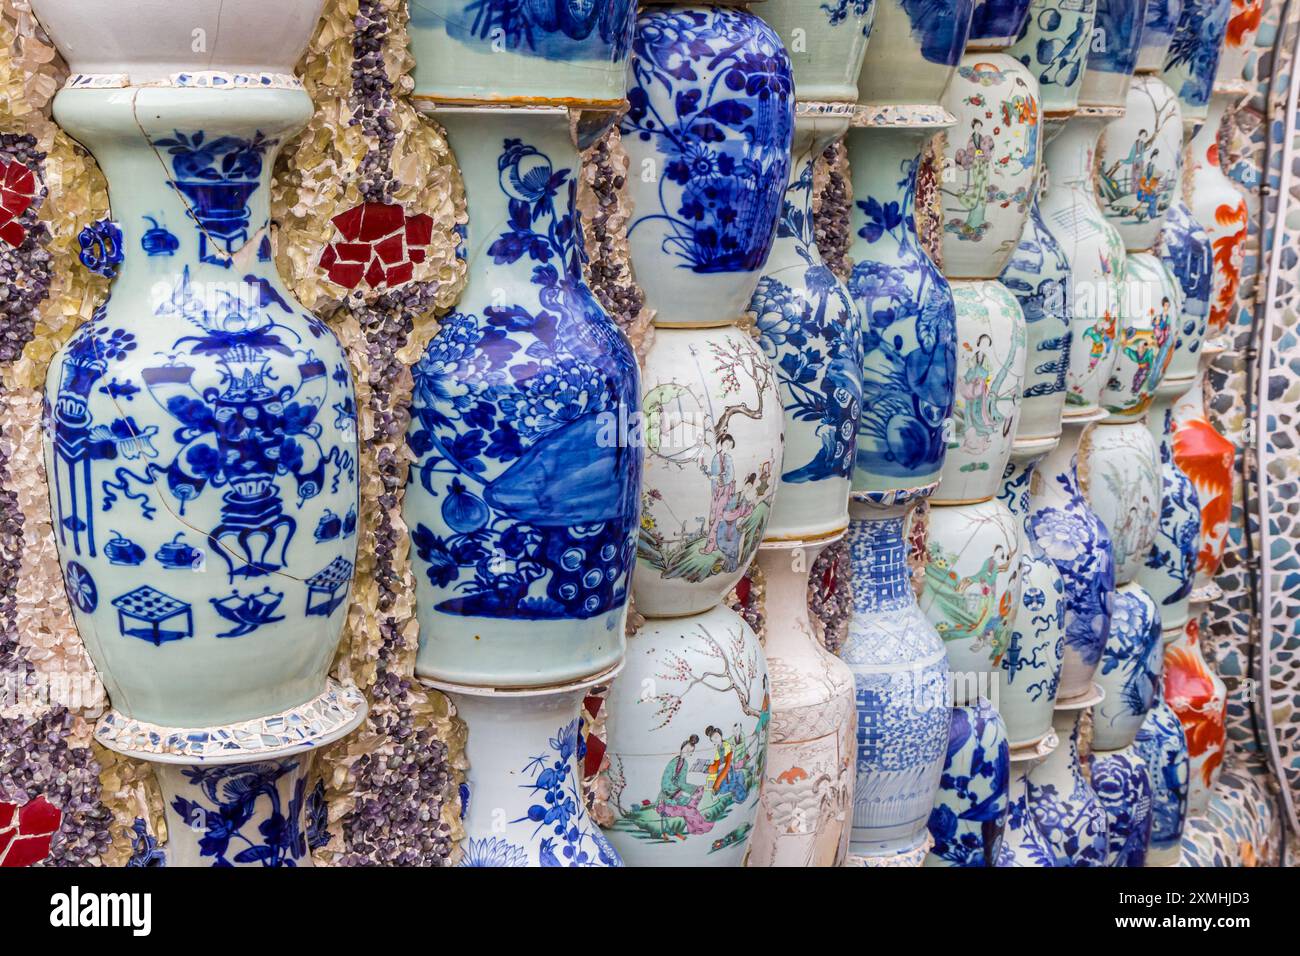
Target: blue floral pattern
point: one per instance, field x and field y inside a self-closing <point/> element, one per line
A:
<point x="1072" y="822"/>
<point x="1178" y="535"/>
<point x="1186" y="251"/>
<point x="1162" y="744"/>
<point x="1123" y="787"/>
<point x="553" y="29"/>
<point x="225" y="800"/>
<point x="970" y="814"/>
<point x="1193" y="57"/>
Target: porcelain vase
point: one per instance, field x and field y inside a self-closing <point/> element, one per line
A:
<point x="1208" y="459"/>
<point x="1160" y="22"/>
<point x="1199" y="697"/>
<point x="913" y="50"/>
<point x="826" y="41"/>
<point x="1218" y="204"/>
<point x="687" y="731"/>
<point x="1066" y="808"/>
<point x="1113" y="52"/>
<point x="995" y="24"/>
<point x="806" y="804"/>
<point x="523" y="498"/>
<point x="1245" y="18"/>
<point x="1194" y="52"/>
<point x="1053" y="44"/>
<point x="1121" y="467"/>
<point x="1024" y="843"/>
<point x="969" y="817"/>
<point x="1162" y="744"/>
<point x="1123" y="786"/>
<point x="1128" y="671"/>
<point x="1184" y="248"/>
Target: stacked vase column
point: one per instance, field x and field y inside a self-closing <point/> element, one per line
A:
<point x="202" y="431"/>
<point x="524" y="490"/>
<point x="809" y="329"/>
<point x="909" y="363"/>
<point x="710" y="127"/>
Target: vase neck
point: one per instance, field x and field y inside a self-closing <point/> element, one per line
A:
<point x="1072" y="153"/>
<point x="1205" y="144"/>
<point x="785" y="582"/>
<point x="882" y="578"/>
<point x="884" y="164"/>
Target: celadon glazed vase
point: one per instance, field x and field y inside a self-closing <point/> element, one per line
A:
<point x="913" y="50"/>
<point x="687" y="731"/>
<point x="810" y="331"/>
<point x="1162" y="18"/>
<point x="1029" y="672"/>
<point x="201" y="425"/>
<point x="826" y="41"/>
<point x="1140" y="163"/>
<point x="990" y="163"/>
<point x="524" y="805"/>
<point x="1192" y="60"/>
<point x="969" y="817"/>
<point x="1113" y="52"/>
<point x="806" y="804"/>
<point x="1123" y="786"/>
<point x="1077" y="541"/>
<point x="1065" y="807"/>
<point x="995" y="24"/>
<point x="900" y="675"/>
<point x="1218" y="205"/>
<point x="1024" y="843"/>
<point x="1162" y="744"/>
<point x="523" y="497"/>
<point x="709" y="133"/>
<point x="1199" y="698"/>
<point x="712" y="420"/>
<point x="1053" y="44"/>
<point x="522" y="52"/>
<point x="908" y="319"/>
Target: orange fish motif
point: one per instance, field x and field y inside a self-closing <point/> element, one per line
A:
<point x="1190" y="691"/>
<point x="793" y="775"/>
<point x="1246" y="17"/>
<point x="1229" y="250"/>
<point x="1206" y="457"/>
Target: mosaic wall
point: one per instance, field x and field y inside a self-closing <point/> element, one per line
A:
<point x="369" y="168"/>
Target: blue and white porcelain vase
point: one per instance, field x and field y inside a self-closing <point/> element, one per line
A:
<point x="1162" y="744"/>
<point x="915" y="45"/>
<point x="1129" y="671"/>
<point x="1029" y="673"/>
<point x="900" y="673"/>
<point x="202" y="425"/>
<point x="523" y="800"/>
<point x="826" y="41"/>
<point x="1113" y="52"/>
<point x="709" y="133"/>
<point x="809" y="329"/>
<point x="1162" y="18"/>
<point x="1185" y="249"/>
<point x="522" y="52"/>
<point x="1192" y="60"/>
<point x="1023" y="841"/>
<point x="523" y="497"/>
<point x="1053" y="44"/>
<point x="687" y="730"/>
<point x="908" y="319"/>
<point x="1123" y="786"/>
<point x="970" y="814"/>
<point x="995" y="24"/>
<point x="1069" y="815"/>
<point x="1076" y="540"/>
<point x="806" y="804"/>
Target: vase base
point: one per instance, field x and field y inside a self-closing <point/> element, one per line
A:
<point x="1090" y="698"/>
<point x="911" y="856"/>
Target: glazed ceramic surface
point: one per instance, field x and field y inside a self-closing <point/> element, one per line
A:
<point x="1076" y="540"/>
<point x="970" y="813"/>
<point x="523" y="499"/>
<point x="1064" y="805"/>
<point x="1053" y="44"/>
<point x="1207" y="458"/>
<point x="524" y="806"/>
<point x="991" y="352"/>
<point x="995" y="24"/>
<point x="712" y="420"/>
<point x="1193" y="56"/>
<point x="1162" y="18"/>
<point x="1141" y="158"/>
<point x="807" y="796"/>
<point x="529" y="51"/>
<point x="1029" y="673"/>
<point x="1170" y="568"/>
<point x="1220" y="207"/>
<point x="1123" y="786"/>
<point x="201" y="444"/>
<point x="1096" y="255"/>
<point x="1122" y="464"/>
<point x="687" y="734"/>
<point x="1200" y="699"/>
<point x="236" y="815"/>
<point x="1023" y="842"/>
<point x="1128" y="671"/>
<point x="809" y="329"/>
<point x="1186" y="251"/>
<point x="145" y="41"/>
<point x="826" y="41"/>
<point x="900" y="674"/>
<point x="1149" y="307"/>
<point x="1244" y="20"/>
<point x="915" y="44"/>
<point x="1038" y="275"/>
<point x="972" y="587"/>
<point x="1113" y="52"/>
<point x="908" y="319"/>
<point x="1162" y="744"/>
<point x="990" y="163"/>
<point x="709" y="133"/>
